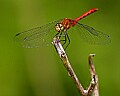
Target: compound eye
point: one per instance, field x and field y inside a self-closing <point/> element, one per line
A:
<point x="59" y="27"/>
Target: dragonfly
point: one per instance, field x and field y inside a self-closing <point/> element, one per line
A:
<point x="43" y="35"/>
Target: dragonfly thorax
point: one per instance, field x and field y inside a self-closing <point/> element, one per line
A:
<point x="64" y="25"/>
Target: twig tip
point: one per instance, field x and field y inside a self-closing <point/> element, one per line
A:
<point x="92" y="55"/>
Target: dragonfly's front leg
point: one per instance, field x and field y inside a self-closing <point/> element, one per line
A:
<point x="67" y="37"/>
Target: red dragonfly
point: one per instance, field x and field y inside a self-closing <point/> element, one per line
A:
<point x="38" y="36"/>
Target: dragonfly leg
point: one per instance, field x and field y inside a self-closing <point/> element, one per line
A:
<point x="66" y="37"/>
<point x="57" y="34"/>
<point x="68" y="40"/>
<point x="60" y="35"/>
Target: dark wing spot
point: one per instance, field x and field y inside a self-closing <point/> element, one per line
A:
<point x="17" y="34"/>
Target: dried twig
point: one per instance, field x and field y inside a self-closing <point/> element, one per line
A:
<point x="94" y="77"/>
<point x="93" y="88"/>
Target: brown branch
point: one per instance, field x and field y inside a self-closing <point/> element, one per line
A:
<point x="93" y="74"/>
<point x="63" y="57"/>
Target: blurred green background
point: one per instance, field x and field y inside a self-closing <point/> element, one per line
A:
<point x="39" y="71"/>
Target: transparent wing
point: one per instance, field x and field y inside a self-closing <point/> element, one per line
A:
<point x="92" y="36"/>
<point x="37" y="37"/>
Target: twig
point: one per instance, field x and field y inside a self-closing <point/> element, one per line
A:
<point x="93" y="74"/>
<point x="63" y="56"/>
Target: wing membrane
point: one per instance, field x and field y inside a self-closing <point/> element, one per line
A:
<point x="92" y="36"/>
<point x="38" y="36"/>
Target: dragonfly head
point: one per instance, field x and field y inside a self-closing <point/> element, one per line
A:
<point x="59" y="27"/>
